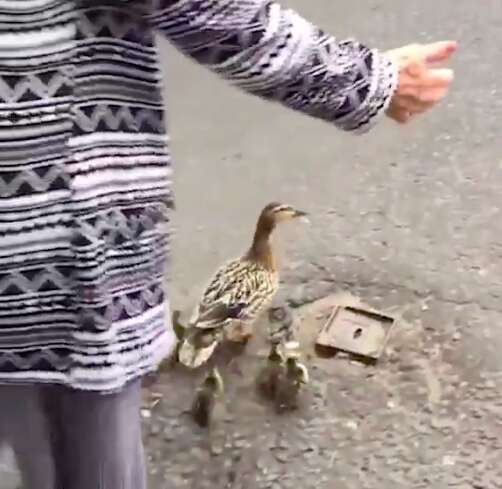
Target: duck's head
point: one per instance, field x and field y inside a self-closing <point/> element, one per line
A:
<point x="275" y="212"/>
<point x="275" y="354"/>
<point x="271" y="215"/>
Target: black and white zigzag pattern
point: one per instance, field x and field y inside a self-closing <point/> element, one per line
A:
<point x="85" y="173"/>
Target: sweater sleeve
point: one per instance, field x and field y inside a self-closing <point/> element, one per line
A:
<point x="274" y="53"/>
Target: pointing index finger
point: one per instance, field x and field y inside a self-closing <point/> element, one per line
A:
<point x="438" y="52"/>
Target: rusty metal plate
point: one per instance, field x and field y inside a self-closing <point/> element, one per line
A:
<point x="356" y="331"/>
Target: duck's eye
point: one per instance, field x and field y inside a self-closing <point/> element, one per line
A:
<point x="282" y="208"/>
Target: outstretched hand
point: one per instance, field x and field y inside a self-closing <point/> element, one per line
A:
<point x="422" y="84"/>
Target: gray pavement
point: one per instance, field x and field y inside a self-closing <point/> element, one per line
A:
<point x="407" y="219"/>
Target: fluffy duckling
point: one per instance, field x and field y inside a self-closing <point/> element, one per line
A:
<point x="179" y="329"/>
<point x="283" y="325"/>
<point x="238" y="292"/>
<point x="206" y="397"/>
<point x="269" y="376"/>
<point x="290" y="385"/>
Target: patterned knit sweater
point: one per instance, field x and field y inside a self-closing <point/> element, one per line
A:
<point x="85" y="170"/>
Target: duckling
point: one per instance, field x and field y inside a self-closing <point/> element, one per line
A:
<point x="283" y="325"/>
<point x="238" y="292"/>
<point x="179" y="329"/>
<point x="206" y="397"/>
<point x="290" y="385"/>
<point x="170" y="362"/>
<point x="269" y="376"/>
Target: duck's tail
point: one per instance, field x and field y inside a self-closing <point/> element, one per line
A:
<point x="197" y="349"/>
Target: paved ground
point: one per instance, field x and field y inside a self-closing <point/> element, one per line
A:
<point x="409" y="220"/>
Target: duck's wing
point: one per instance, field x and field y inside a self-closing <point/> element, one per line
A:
<point x="223" y="280"/>
<point x="239" y="295"/>
<point x="217" y="313"/>
<point x="213" y="290"/>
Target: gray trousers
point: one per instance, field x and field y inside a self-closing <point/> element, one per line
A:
<point x="66" y="439"/>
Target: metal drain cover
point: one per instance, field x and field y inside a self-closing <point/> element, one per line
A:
<point x="356" y="331"/>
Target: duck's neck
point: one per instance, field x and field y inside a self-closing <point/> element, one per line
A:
<point x="261" y="248"/>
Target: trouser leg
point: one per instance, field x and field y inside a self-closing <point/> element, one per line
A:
<point x="24" y="426"/>
<point x="100" y="445"/>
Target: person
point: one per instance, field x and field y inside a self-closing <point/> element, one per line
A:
<point x="86" y="198"/>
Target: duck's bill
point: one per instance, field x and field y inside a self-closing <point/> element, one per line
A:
<point x="302" y="216"/>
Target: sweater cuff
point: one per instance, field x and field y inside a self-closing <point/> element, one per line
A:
<point x="383" y="85"/>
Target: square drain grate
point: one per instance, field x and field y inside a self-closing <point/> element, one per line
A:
<point x="356" y="331"/>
